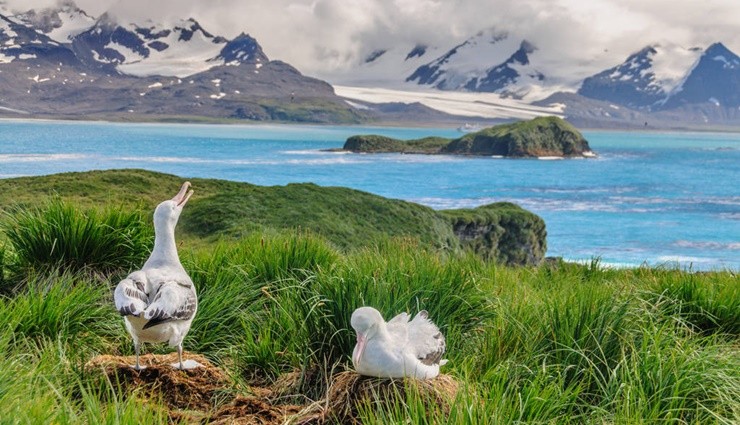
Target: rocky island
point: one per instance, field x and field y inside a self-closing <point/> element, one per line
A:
<point x="539" y="137"/>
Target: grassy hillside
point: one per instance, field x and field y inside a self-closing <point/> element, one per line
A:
<point x="347" y="218"/>
<point x="542" y="136"/>
<point x="556" y="344"/>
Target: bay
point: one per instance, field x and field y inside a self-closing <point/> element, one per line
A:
<point x="657" y="198"/>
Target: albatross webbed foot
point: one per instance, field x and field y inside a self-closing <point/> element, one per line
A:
<point x="187" y="364"/>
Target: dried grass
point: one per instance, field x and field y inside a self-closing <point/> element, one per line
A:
<point x="194" y="389"/>
<point x="350" y="390"/>
<point x="205" y="395"/>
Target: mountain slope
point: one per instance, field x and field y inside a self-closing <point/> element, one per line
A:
<point x="644" y="79"/>
<point x="714" y="79"/>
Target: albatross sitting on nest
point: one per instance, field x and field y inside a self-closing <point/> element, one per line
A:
<point x="158" y="302"/>
<point x="399" y="348"/>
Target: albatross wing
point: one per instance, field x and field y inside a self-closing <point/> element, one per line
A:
<point x="426" y="340"/>
<point x="174" y="300"/>
<point x="130" y="296"/>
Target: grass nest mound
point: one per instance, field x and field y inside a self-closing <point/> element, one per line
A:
<point x="193" y="389"/>
<point x="200" y="395"/>
<point x="349" y="390"/>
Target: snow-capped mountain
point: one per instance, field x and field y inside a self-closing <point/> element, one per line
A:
<point x="181" y="49"/>
<point x="645" y="79"/>
<point x="60" y="23"/>
<point x="21" y="43"/>
<point x="112" y="69"/>
<point x="714" y="79"/>
<point x="491" y="61"/>
<point x="386" y="66"/>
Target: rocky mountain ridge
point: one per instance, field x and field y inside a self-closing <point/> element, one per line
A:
<point x="51" y="66"/>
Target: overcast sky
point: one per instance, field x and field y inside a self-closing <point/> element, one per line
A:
<point x="321" y="36"/>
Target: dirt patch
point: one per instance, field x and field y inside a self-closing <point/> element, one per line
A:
<point x="253" y="411"/>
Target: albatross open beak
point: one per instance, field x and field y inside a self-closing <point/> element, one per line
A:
<point x="359" y="349"/>
<point x="183" y="195"/>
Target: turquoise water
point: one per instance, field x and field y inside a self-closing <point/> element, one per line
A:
<point x="659" y="198"/>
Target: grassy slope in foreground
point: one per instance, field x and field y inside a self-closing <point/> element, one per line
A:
<point x="543" y="136"/>
<point x="346" y="217"/>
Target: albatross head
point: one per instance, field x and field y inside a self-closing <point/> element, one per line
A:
<point x="366" y="322"/>
<point x="168" y="212"/>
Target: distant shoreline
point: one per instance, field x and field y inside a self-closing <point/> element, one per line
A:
<point x="451" y="124"/>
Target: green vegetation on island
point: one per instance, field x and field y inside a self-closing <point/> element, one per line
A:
<point x="349" y="219"/>
<point x="539" y="137"/>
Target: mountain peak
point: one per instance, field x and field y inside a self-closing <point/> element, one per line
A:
<point x="60" y="22"/>
<point x="714" y="79"/>
<point x="242" y="49"/>
<point x="645" y="78"/>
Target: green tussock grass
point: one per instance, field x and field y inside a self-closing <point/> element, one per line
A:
<point x="57" y="235"/>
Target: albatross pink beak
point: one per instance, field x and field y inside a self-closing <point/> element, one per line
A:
<point x="359" y="349"/>
<point x="183" y="195"/>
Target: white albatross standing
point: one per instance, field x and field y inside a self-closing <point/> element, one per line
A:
<point x="158" y="302"/>
<point x="399" y="348"/>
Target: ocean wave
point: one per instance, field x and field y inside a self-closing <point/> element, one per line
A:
<point x="191" y="160"/>
<point x="633" y="205"/>
<point x="38" y="157"/>
<point x="582" y="190"/>
<point x="314" y="152"/>
<point x="709" y="245"/>
<point x="684" y="259"/>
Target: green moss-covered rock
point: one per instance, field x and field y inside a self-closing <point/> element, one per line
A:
<point x="544" y="136"/>
<point x="502" y="231"/>
<point x="381" y="144"/>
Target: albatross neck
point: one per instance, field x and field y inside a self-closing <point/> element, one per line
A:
<point x="165" y="248"/>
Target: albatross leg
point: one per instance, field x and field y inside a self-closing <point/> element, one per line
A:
<point x="179" y="355"/>
<point x="137" y="347"/>
<point x="187" y="364"/>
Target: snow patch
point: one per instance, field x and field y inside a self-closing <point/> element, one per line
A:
<point x="181" y="58"/>
<point x="357" y="105"/>
<point x="485" y="105"/>
<point x="129" y="55"/>
<point x="670" y="65"/>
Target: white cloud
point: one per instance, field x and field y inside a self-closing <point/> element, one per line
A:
<point x="322" y="36"/>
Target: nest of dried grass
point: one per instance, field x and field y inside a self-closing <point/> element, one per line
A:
<point x="349" y="391"/>
<point x="193" y="389"/>
<point x="203" y="394"/>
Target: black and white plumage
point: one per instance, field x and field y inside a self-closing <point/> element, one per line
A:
<point x="158" y="302"/>
<point x="399" y="348"/>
